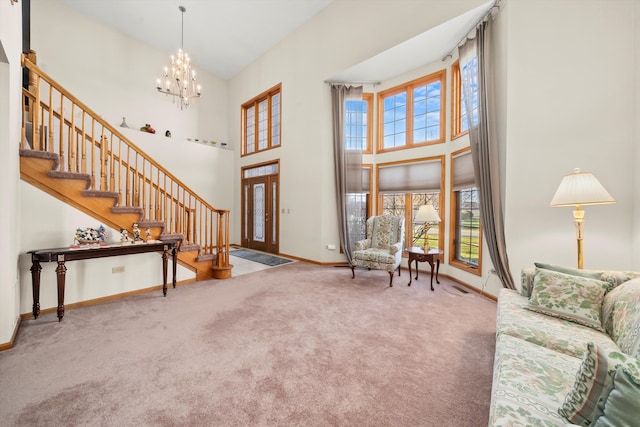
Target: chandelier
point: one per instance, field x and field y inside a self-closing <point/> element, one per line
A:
<point x="179" y="78"/>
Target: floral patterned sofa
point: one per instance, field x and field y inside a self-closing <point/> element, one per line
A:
<point x="568" y="350"/>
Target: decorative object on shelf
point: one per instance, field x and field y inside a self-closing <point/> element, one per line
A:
<point x="124" y="235"/>
<point x="428" y="215"/>
<point x="136" y="233"/>
<point x="180" y="78"/>
<point x="147" y="233"/>
<point x="91" y="236"/>
<point x="167" y="134"/>
<point x="147" y="128"/>
<point x="124" y="123"/>
<point x="577" y="189"/>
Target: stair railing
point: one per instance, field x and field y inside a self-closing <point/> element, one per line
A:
<point x="53" y="120"/>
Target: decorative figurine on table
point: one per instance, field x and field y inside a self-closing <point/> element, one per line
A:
<point x="136" y="233"/>
<point x="90" y="236"/>
<point x="147" y="234"/>
<point x="124" y="235"/>
<point x="102" y="234"/>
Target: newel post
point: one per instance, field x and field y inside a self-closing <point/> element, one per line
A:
<point x="222" y="268"/>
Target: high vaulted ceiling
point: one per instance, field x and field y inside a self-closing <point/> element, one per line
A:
<point x="224" y="36"/>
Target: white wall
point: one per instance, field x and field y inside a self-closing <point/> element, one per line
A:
<point x="571" y="89"/>
<point x="635" y="262"/>
<point x="10" y="84"/>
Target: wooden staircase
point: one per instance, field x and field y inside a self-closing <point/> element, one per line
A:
<point x="92" y="167"/>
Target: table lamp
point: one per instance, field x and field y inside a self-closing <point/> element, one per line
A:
<point x="578" y="189"/>
<point x="428" y="215"/>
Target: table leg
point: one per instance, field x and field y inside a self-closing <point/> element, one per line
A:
<point x="410" y="261"/>
<point x="36" y="268"/>
<point x="437" y="269"/>
<point x="165" y="255"/>
<point x="431" y="264"/>
<point x="61" y="272"/>
<point x="417" y="270"/>
<point x="174" y="255"/>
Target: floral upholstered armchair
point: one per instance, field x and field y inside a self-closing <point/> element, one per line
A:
<point x="382" y="249"/>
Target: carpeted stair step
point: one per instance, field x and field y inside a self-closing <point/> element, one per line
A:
<point x="96" y="193"/>
<point x="185" y="247"/>
<point x="206" y="257"/>
<point x="46" y="155"/>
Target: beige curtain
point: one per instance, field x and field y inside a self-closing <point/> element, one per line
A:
<point x="348" y="171"/>
<point x="484" y="146"/>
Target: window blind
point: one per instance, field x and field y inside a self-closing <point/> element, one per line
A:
<point x="462" y="167"/>
<point x="418" y="176"/>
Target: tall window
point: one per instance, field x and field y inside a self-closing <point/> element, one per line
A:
<point x="261" y="122"/>
<point x="466" y="233"/>
<point x="358" y="123"/>
<point x="459" y="106"/>
<point x="404" y="187"/>
<point x="412" y="114"/>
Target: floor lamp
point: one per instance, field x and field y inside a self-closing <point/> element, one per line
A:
<point x="579" y="189"/>
<point x="428" y="215"/>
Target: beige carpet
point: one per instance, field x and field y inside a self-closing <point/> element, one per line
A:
<point x="295" y="345"/>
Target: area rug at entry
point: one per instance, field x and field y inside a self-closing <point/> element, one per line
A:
<point x="265" y="259"/>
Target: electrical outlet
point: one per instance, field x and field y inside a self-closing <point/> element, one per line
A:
<point x="115" y="270"/>
<point x="331" y="247"/>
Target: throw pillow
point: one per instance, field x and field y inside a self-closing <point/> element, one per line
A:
<point x="593" y="274"/>
<point x="574" y="298"/>
<point x="593" y="380"/>
<point x="620" y="406"/>
<point x="621" y="317"/>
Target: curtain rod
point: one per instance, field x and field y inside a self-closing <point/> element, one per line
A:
<point x="338" y="82"/>
<point x="496" y="4"/>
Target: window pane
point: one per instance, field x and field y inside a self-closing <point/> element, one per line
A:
<point x="275" y="120"/>
<point x="393" y="204"/>
<point x="250" y="130"/>
<point x="263" y="120"/>
<point x="395" y="114"/>
<point x="470" y="77"/>
<point x="426" y="112"/>
<point x="418" y="230"/>
<point x="356" y="124"/>
<point x="467" y="238"/>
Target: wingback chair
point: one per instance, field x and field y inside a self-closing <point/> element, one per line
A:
<point x="382" y="249"/>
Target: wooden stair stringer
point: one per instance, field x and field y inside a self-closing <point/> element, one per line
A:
<point x="72" y="189"/>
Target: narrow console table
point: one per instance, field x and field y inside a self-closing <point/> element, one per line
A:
<point x="418" y="254"/>
<point x="62" y="255"/>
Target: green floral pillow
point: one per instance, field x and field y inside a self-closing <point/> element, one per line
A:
<point x="593" y="381"/>
<point x="621" y="317"/>
<point x="574" y="298"/>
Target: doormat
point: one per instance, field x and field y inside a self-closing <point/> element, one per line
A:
<point x="266" y="259"/>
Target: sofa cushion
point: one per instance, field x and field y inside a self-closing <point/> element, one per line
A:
<point x="529" y="384"/>
<point x="592" y="381"/>
<point x="574" y="298"/>
<point x="621" y="316"/>
<point x="550" y="332"/>
<point x="612" y="277"/>
<point x="593" y="274"/>
<point x="621" y="404"/>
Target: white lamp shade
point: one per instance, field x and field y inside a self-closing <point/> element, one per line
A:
<point x="580" y="188"/>
<point x="427" y="213"/>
